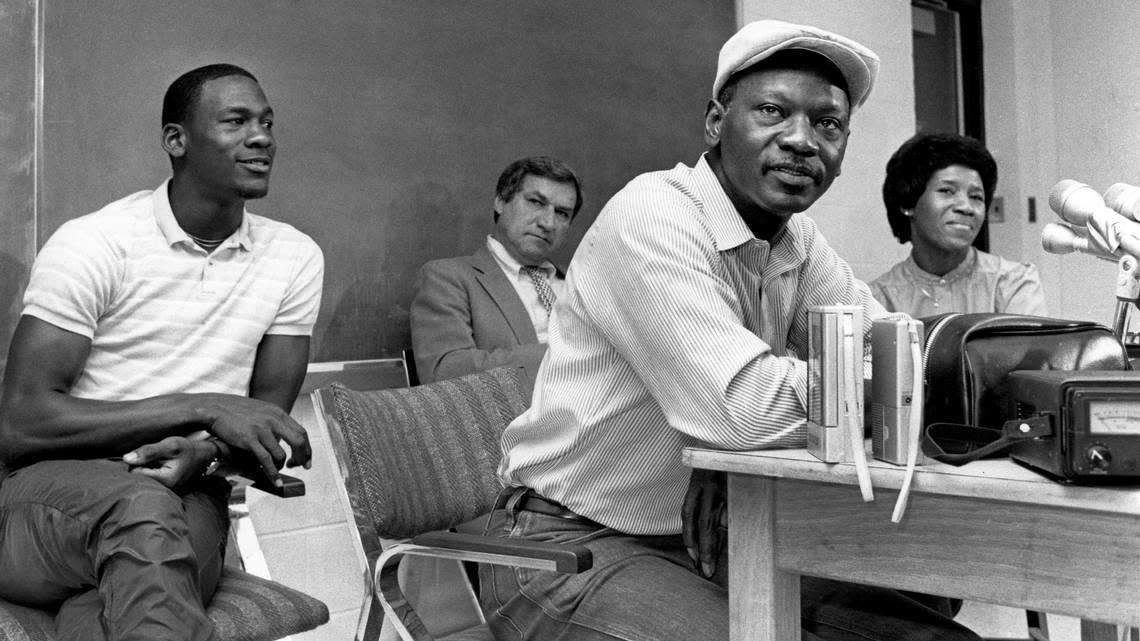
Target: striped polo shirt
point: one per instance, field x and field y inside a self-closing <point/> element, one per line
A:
<point x="163" y="315"/>
<point x="678" y="327"/>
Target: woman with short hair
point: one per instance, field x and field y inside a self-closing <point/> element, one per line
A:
<point x="937" y="191"/>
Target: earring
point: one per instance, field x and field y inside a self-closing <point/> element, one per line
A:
<point x="908" y="213"/>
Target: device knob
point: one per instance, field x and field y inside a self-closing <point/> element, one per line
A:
<point x="1099" y="457"/>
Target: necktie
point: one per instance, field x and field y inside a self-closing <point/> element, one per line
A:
<point x="542" y="285"/>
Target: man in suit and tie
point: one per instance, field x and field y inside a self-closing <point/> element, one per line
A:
<point x="492" y="308"/>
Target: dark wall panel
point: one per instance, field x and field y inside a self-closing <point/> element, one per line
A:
<point x="17" y="160"/>
<point x="394" y="118"/>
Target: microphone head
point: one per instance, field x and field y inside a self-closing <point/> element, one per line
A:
<point x="1074" y="201"/>
<point x="1059" y="239"/>
<point x="1123" y="198"/>
<point x="1080" y="230"/>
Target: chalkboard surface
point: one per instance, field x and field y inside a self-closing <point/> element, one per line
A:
<point x="394" y="118"/>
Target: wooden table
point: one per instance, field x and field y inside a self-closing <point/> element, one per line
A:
<point x="989" y="531"/>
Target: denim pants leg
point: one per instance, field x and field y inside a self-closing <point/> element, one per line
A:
<point x="122" y="556"/>
<point x="641" y="588"/>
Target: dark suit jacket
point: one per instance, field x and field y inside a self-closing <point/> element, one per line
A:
<point x="467" y="317"/>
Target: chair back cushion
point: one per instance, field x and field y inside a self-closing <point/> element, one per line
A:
<point x="423" y="458"/>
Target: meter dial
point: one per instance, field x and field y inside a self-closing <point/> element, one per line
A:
<point x="1114" y="416"/>
<point x="1099" y="458"/>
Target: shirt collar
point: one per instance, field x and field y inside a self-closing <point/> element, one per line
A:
<point x="725" y="223"/>
<point x="964" y="268"/>
<point x="509" y="263"/>
<point x="174" y="234"/>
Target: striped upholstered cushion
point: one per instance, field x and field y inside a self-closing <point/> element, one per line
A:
<point x="245" y="608"/>
<point x="249" y="608"/>
<point x="425" y="458"/>
<point x="18" y="623"/>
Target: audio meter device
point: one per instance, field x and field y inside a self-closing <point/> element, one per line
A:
<point x="1087" y="421"/>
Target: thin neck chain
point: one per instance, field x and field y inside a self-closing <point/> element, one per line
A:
<point x="208" y="245"/>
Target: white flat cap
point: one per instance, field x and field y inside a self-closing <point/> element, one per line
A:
<point x="758" y="40"/>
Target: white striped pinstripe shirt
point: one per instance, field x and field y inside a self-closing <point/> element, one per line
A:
<point x="164" y="316"/>
<point x="678" y="327"/>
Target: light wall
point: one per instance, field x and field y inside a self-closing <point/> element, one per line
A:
<point x="1086" y="61"/>
<point x="1062" y="97"/>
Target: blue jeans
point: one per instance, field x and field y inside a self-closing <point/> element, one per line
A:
<point x="119" y="554"/>
<point x="642" y="588"/>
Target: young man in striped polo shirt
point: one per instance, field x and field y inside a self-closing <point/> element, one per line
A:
<point x="164" y="331"/>
<point x="684" y="323"/>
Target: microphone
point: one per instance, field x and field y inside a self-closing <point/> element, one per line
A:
<point x="1058" y="238"/>
<point x="1124" y="199"/>
<point x="1074" y="201"/>
<point x="1078" y="204"/>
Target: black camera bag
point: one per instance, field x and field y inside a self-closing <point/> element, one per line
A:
<point x="966" y="359"/>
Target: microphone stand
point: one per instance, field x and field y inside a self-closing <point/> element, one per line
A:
<point x="1127" y="291"/>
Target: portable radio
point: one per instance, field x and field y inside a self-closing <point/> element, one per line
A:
<point x="893" y="398"/>
<point x="1093" y="431"/>
<point x="835" y="380"/>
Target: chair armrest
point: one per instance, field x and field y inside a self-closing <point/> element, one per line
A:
<point x="569" y="559"/>
<point x="539" y="555"/>
<point x="242" y="465"/>
<point x="291" y="486"/>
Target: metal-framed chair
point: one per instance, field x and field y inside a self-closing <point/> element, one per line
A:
<point x="409" y="357"/>
<point x="416" y="463"/>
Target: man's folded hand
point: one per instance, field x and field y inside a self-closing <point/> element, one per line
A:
<point x="703" y="520"/>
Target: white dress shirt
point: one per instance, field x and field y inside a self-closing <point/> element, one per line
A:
<point x="527" y="292"/>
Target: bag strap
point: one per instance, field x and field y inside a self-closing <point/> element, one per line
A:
<point x="958" y="444"/>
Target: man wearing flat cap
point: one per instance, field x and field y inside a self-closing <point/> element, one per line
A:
<point x="684" y="323"/>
